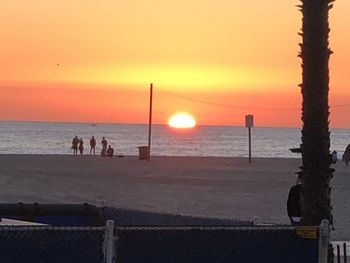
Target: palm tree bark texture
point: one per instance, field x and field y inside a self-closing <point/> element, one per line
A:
<point x="315" y="55"/>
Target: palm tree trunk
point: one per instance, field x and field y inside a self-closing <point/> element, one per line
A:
<point x="315" y="55"/>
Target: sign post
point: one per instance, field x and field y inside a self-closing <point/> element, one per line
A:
<point x="249" y="123"/>
<point x="150" y="123"/>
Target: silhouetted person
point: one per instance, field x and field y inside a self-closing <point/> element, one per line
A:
<point x="294" y="202"/>
<point x="334" y="157"/>
<point x="346" y="155"/>
<point x="104" y="147"/>
<point x="81" y="146"/>
<point x="75" y="143"/>
<point x="92" y="145"/>
<point x="110" y="151"/>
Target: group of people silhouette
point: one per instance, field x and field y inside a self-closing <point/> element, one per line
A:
<point x="78" y="144"/>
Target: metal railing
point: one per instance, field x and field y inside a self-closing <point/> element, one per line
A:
<point x="341" y="250"/>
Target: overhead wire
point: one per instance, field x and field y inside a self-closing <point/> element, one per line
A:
<point x="240" y="107"/>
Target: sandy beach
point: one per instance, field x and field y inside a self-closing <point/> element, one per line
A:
<point x="195" y="186"/>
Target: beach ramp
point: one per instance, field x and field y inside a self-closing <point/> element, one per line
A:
<point x="128" y="217"/>
<point x="90" y="215"/>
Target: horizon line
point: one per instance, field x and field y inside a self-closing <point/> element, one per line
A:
<point x="158" y="124"/>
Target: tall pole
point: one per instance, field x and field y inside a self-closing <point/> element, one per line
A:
<point x="249" y="123"/>
<point x="150" y="123"/>
<point x="250" y="143"/>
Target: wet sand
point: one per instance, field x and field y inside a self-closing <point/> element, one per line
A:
<point x="194" y="186"/>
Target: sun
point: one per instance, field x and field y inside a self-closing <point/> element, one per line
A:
<point x="182" y="120"/>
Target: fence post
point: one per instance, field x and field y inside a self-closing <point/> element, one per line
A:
<point x="109" y="242"/>
<point x="323" y="241"/>
<point x="345" y="255"/>
<point x="338" y="253"/>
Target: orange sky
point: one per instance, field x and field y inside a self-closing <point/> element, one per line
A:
<point x="92" y="61"/>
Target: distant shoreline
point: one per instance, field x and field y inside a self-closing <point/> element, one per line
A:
<point x="156" y="124"/>
<point x="160" y="124"/>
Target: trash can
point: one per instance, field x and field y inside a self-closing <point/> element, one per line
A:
<point x="143" y="152"/>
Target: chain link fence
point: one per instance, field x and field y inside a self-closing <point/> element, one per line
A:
<point x="54" y="214"/>
<point x="179" y="242"/>
<point x="217" y="244"/>
<point x="41" y="244"/>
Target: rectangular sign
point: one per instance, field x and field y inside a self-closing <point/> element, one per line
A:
<point x="308" y="232"/>
<point x="249" y="121"/>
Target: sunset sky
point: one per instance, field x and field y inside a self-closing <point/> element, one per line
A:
<point x="93" y="61"/>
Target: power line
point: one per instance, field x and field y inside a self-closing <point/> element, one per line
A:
<point x="226" y="105"/>
<point x="241" y="107"/>
<point x="340" y="105"/>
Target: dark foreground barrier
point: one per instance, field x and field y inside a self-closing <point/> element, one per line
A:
<point x="181" y="241"/>
<point x="56" y="244"/>
<point x="218" y="244"/>
<point x="163" y="244"/>
<point x="54" y="214"/>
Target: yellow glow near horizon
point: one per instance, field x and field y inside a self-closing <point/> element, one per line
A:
<point x="182" y="120"/>
<point x="181" y="77"/>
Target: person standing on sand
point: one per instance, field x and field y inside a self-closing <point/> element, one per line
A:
<point x="104" y="147"/>
<point x="75" y="143"/>
<point x="346" y="155"/>
<point x="334" y="157"/>
<point x="294" y="202"/>
<point x="92" y="145"/>
<point x="81" y="146"/>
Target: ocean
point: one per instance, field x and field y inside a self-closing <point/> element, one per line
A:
<point x="56" y="138"/>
